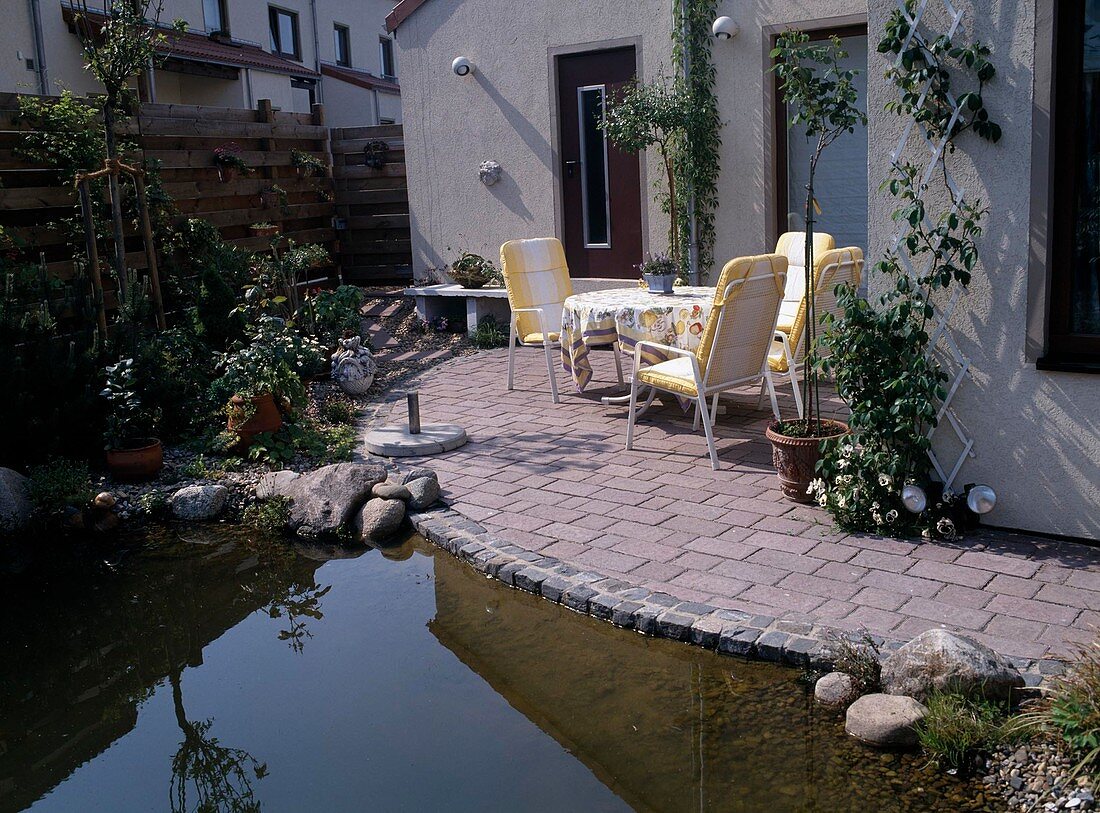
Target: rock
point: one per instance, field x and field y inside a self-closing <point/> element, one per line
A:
<point x="391" y="491"/>
<point x="327" y="499"/>
<point x="199" y="503"/>
<point x="944" y="661"/>
<point x="884" y="720"/>
<point x="379" y="519"/>
<point x="424" y="491"/>
<point x="16" y="508"/>
<point x="835" y="689"/>
<point x="275" y="483"/>
<point x="104" y="499"/>
<point x="416" y="474"/>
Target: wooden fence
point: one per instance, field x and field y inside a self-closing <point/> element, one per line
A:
<point x="372" y="204"/>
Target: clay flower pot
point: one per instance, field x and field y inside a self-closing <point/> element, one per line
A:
<point x="795" y="459"/>
<point x="263" y="231"/>
<point x="226" y="173"/>
<point x="249" y="417"/>
<point x="140" y="462"/>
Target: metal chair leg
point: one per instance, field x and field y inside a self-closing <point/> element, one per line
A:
<point x="617" y="350"/>
<point x="632" y="414"/>
<point x="775" y="401"/>
<point x="511" y="354"/>
<point x="793" y="374"/>
<point x="550" y="371"/>
<point x="714" y="410"/>
<point x="701" y="402"/>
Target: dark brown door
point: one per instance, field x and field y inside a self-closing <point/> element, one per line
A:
<point x="601" y="185"/>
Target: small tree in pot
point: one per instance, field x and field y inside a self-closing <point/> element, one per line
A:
<point x="822" y="97"/>
<point x="133" y="454"/>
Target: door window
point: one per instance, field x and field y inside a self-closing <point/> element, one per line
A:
<point x="594" y="198"/>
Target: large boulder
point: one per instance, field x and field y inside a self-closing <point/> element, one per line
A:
<point x="274" y="483"/>
<point x="424" y="491"/>
<point x="938" y="660"/>
<point x="16" y="508"/>
<point x="885" y="720"/>
<point x="379" y="519"/>
<point x="199" y="503"/>
<point x="835" y="689"/>
<point x="325" y="500"/>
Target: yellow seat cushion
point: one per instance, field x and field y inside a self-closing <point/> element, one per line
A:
<point x="536" y="338"/>
<point x="785" y="324"/>
<point x="777" y="360"/>
<point x="673" y="375"/>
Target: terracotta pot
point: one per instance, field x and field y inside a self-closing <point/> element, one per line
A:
<point x="226" y="173"/>
<point x="263" y="231"/>
<point x="795" y="459"/>
<point x="140" y="462"/>
<point x="263" y="416"/>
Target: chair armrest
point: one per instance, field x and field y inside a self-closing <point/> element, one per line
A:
<point x="785" y="340"/>
<point x="541" y="311"/>
<point x="665" y="348"/>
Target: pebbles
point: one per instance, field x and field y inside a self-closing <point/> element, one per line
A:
<point x="1036" y="777"/>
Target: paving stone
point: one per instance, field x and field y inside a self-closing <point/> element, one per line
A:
<point x="738" y="640"/>
<point x="507" y="572"/>
<point x="576" y="598"/>
<point x="645" y="618"/>
<point x="802" y="651"/>
<point x="707" y="631"/>
<point x="675" y="625"/>
<point x="695" y="608"/>
<point x="553" y="587"/>
<point x="770" y="645"/>
<point x="622" y="615"/>
<point x="601" y="605"/>
<point x="663" y="599"/>
<point x="530" y="579"/>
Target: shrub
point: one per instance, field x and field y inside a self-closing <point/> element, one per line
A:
<point x="957" y="728"/>
<point x="338" y="411"/>
<point x="155" y="504"/>
<point x="270" y="515"/>
<point x="327" y="314"/>
<point x="174" y="370"/>
<point x="489" y="334"/>
<point x="858" y="658"/>
<point x="60" y="483"/>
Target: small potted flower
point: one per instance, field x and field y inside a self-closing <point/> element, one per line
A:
<point x="659" y="273"/>
<point x="472" y="271"/>
<point x="306" y="164"/>
<point x="263" y="229"/>
<point x="274" y="196"/>
<point x="133" y="453"/>
<point x="227" y="158"/>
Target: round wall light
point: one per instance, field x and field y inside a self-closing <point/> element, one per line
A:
<point x="724" y="28"/>
<point x="462" y="66"/>
<point x="914" y="499"/>
<point x="981" y="499"/>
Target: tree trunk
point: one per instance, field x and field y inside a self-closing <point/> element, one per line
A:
<point x="115" y="192"/>
<point x="673" y="212"/>
<point x="809" y="293"/>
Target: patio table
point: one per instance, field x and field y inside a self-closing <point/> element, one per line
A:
<point x="630" y="315"/>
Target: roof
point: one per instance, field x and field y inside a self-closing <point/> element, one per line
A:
<point x="361" y="79"/>
<point x="195" y="47"/>
<point x="401" y="12"/>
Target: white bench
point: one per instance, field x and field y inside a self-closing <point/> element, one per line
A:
<point x="434" y="301"/>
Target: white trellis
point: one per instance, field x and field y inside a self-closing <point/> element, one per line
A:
<point x="941" y="343"/>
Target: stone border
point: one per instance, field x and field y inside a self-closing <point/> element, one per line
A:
<point x="730" y="632"/>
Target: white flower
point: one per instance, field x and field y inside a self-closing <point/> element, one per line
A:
<point x="846" y="450"/>
<point x="841" y="502"/>
<point x="877" y="517"/>
<point x="946" y="528"/>
<point x="845" y="478"/>
<point x="885" y="480"/>
<point x="816" y="486"/>
<point x="891" y="515"/>
<point x="822" y="499"/>
<point x="842" y="463"/>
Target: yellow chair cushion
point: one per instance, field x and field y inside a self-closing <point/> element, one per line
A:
<point x="777" y="362"/>
<point x="536" y="275"/>
<point x="735" y="269"/>
<point x="673" y="375"/>
<point x="785" y="325"/>
<point x="536" y="338"/>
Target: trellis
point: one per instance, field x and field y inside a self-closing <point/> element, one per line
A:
<point x="941" y="342"/>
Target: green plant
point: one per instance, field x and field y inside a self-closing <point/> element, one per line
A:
<point x="154" y="504"/>
<point x="882" y="353"/>
<point x="472" y="270"/>
<point x="309" y="163"/>
<point x="276" y="193"/>
<point x="859" y="658"/>
<point x="228" y="156"/>
<point x="956" y="729"/>
<point x="130" y="421"/>
<point x="273" y="362"/>
<point x="173" y="371"/>
<point x="264" y="225"/>
<point x="822" y="97"/>
<point x="489" y="334"/>
<point x="273" y="290"/>
<point x="328" y="314"/>
<point x="270" y="515"/>
<point x="58" y="484"/>
<point x="643" y="115"/>
<point x="658" y="265"/>
<point x="199" y="468"/>
<point x="338" y="411"/>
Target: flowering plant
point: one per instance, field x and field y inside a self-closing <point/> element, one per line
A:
<point x="229" y="155"/>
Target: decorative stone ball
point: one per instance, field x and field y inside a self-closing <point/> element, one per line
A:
<point x="353" y="366"/>
<point x="105" y="499"/>
<point x="489" y="172"/>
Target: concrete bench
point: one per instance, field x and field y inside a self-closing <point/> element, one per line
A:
<point x="435" y="301"/>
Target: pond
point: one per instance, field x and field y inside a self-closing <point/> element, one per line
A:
<point x="213" y="670"/>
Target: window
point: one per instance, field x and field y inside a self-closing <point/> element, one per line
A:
<point x="594" y="199"/>
<point x="1074" y="326"/>
<point x="214" y="15"/>
<point x="385" y="47"/>
<point x="341" y="36"/>
<point x="284" y="32"/>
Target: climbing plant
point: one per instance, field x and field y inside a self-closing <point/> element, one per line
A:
<point x="696" y="157"/>
<point x="884" y="354"/>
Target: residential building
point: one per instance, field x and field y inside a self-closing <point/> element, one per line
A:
<point x="235" y="52"/>
<point x="1029" y="324"/>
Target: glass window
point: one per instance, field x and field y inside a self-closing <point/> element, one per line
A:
<point x="594" y="200"/>
<point x="284" y="32"/>
<point x="214" y="16"/>
<point x="342" y="40"/>
<point x="385" y="47"/>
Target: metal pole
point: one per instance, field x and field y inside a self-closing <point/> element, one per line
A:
<point x="414" y="412"/>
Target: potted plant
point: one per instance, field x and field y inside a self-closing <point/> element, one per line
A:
<point x="306" y="164"/>
<point x="227" y="158"/>
<point x="659" y="273"/>
<point x="263" y="229"/>
<point x="822" y="97"/>
<point x="274" y="196"/>
<point x="133" y="454"/>
<point x="472" y="270"/>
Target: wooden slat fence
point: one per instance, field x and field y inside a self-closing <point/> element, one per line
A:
<point x="372" y="205"/>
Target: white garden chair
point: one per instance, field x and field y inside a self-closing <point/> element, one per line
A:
<point x="734" y="347"/>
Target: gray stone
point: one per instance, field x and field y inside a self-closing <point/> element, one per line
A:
<point x="835" y="689"/>
<point x="199" y="503"/>
<point x="707" y="631"/>
<point x="530" y="579"/>
<point x="423" y="491"/>
<point x="770" y="645"/>
<point x="576" y="598"/>
<point x="391" y="491"/>
<point x="801" y="651"/>
<point x="325" y="500"/>
<point x="395" y="440"/>
<point x="645" y="618"/>
<point x="507" y="573"/>
<point x="623" y="614"/>
<point x="885" y="720"/>
<point x="694" y="608"/>
<point x="738" y="640"/>
<point x="674" y="625"/>
<point x="16" y="508"/>
<point x="938" y="660"/>
<point x="379" y="519"/>
<point x="274" y="484"/>
<point x="602" y="605"/>
<point x="416" y="474"/>
<point x="553" y="588"/>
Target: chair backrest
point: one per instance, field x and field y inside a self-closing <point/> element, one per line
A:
<point x="739" y="330"/>
<point x="536" y="275"/>
<point x="792" y="245"/>
<point x="836" y="267"/>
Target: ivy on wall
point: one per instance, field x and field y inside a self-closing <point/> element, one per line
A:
<point x="697" y="164"/>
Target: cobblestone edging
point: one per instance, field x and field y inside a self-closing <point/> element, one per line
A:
<point x="657" y="614"/>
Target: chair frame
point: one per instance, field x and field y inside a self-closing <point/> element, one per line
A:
<point x="702" y="390"/>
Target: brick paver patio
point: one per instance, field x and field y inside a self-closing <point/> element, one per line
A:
<point x="555" y="479"/>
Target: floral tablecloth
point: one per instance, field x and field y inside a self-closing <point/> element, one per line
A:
<point x="630" y="315"/>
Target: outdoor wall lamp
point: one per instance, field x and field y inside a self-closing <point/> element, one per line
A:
<point x="981" y="499"/>
<point x="462" y="66"/>
<point x="724" y="28"/>
<point x="914" y="499"/>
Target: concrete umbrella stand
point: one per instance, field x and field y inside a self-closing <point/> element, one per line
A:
<point x="414" y="439"/>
